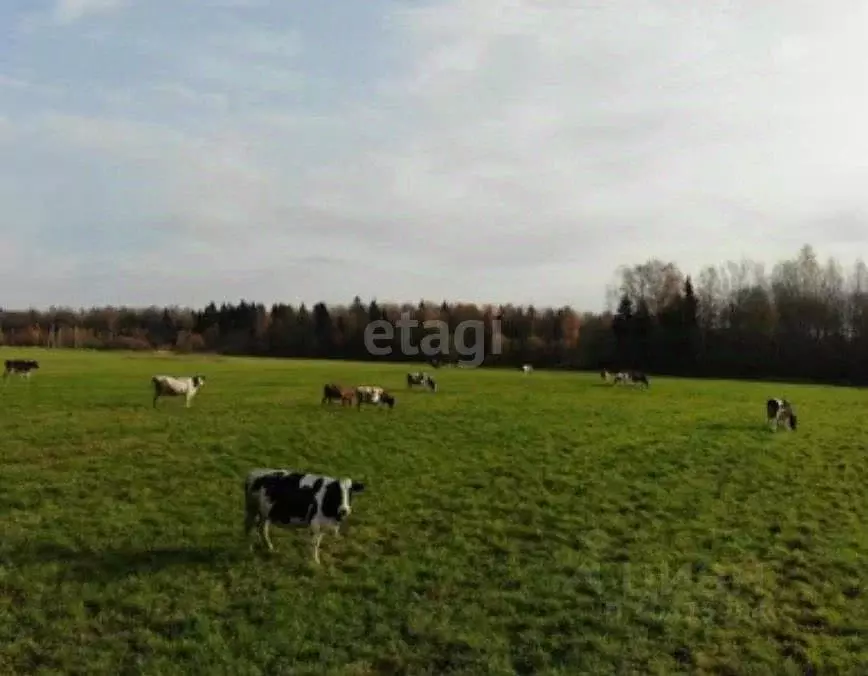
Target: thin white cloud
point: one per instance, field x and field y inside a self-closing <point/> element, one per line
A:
<point x="125" y="139"/>
<point x="161" y="95"/>
<point x="7" y="130"/>
<point x="67" y="11"/>
<point x="13" y="82"/>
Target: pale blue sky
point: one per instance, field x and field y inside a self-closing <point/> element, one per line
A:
<point x="175" y="152"/>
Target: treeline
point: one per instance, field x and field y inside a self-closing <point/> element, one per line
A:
<point x="803" y="320"/>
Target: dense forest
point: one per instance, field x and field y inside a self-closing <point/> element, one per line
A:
<point x="805" y="320"/>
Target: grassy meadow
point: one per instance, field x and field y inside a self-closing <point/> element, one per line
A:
<point x="530" y="524"/>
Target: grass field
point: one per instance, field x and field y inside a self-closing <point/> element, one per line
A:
<point x="511" y="524"/>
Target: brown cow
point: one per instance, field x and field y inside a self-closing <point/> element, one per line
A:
<point x="333" y="392"/>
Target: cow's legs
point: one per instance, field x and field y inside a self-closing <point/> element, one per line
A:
<point x="263" y="534"/>
<point x="250" y="517"/>
<point x="317" y="539"/>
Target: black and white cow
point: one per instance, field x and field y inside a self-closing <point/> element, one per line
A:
<point x="527" y="368"/>
<point x="421" y="378"/>
<point x="780" y="412"/>
<point x="171" y="386"/>
<point x="287" y="498"/>
<point x="638" y="377"/>
<point x="22" y="367"/>
<point x="631" y="378"/>
<point x="370" y="394"/>
<point x="621" y="377"/>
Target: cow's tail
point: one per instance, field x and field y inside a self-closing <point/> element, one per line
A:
<point x="250" y="514"/>
<point x="247" y="485"/>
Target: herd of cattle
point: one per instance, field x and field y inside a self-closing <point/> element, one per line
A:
<point x="288" y="498"/>
<point x="372" y="394"/>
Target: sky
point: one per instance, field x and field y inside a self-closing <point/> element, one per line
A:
<point x="174" y="152"/>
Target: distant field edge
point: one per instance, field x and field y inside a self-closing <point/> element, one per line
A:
<point x="8" y="351"/>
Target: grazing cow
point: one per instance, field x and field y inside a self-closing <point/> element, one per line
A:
<point x="332" y="392"/>
<point x="23" y="367"/>
<point x="631" y="378"/>
<point x="369" y="394"/>
<point x="527" y="368"/>
<point x="421" y="378"/>
<point x="287" y="498"/>
<point x="780" y="411"/>
<point x="171" y="386"/>
<point x="638" y="377"/>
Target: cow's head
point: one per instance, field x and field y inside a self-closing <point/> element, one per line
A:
<point x="388" y="399"/>
<point x="432" y="384"/>
<point x="198" y="381"/>
<point x="337" y="502"/>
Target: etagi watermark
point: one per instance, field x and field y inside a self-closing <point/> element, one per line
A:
<point x="436" y="343"/>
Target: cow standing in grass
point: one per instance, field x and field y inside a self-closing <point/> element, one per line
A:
<point x="421" y="378"/>
<point x="287" y="498"/>
<point x="369" y="394"/>
<point x="527" y="368"/>
<point x="171" y="386"/>
<point x="333" y="392"/>
<point x="631" y="378"/>
<point x="639" y="378"/>
<point x="22" y="367"/>
<point x="780" y="412"/>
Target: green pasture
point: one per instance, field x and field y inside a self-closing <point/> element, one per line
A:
<point x="530" y="524"/>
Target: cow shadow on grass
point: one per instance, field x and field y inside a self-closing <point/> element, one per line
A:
<point x="85" y="565"/>
<point x="92" y="564"/>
